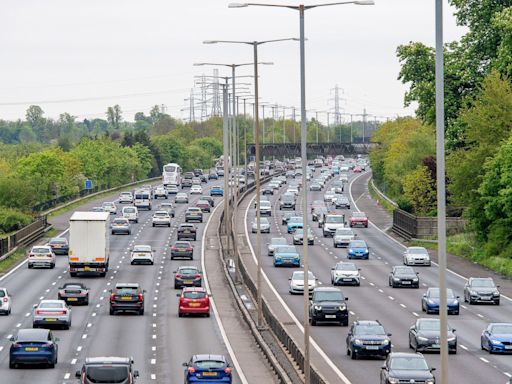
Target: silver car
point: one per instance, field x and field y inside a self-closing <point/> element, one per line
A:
<point x="297" y="282"/>
<point x="345" y="273"/>
<point x="274" y="243"/>
<point x="181" y="198"/>
<point x="298" y="237"/>
<point x="416" y="256"/>
<point x="51" y="312"/>
<point x="120" y="225"/>
<point x="342" y="237"/>
<point x="264" y="226"/>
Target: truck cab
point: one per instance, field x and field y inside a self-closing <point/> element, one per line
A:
<point x="331" y="222"/>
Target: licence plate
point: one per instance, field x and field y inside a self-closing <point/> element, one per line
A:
<point x="508" y="346"/>
<point x="187" y="282"/>
<point x="372" y="347"/>
<point x="209" y="373"/>
<point x="87" y="268"/>
<point x="406" y="282"/>
<point x="330" y="316"/>
<point x="186" y="231"/>
<point x="347" y="279"/>
<point x="436" y="346"/>
<point x="194" y="304"/>
<point x="141" y="254"/>
<point x="126" y="297"/>
<point x="31" y="349"/>
<point x="51" y="319"/>
<point x="72" y="299"/>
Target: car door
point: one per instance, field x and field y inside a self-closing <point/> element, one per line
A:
<point x="413" y="334"/>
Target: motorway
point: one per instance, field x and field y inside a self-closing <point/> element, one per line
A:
<point x="397" y="309"/>
<point x="159" y="341"/>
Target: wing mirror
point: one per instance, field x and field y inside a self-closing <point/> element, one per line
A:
<point x="78" y="374"/>
<point x="136" y="374"/>
<point x="12" y="338"/>
<point x="178" y="295"/>
<point x="432" y="369"/>
<point x="185" y="364"/>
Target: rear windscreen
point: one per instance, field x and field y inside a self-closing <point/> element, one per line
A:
<point x="107" y="374"/>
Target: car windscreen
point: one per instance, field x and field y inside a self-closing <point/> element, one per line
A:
<point x="299" y="275"/>
<point x="129" y="210"/>
<point x="169" y="168"/>
<point x="404" y="271"/>
<point x="361" y="330"/>
<point x="434" y="293"/>
<point x="343" y="232"/>
<point x="485" y="283"/>
<point x="502" y="329"/>
<point x="40" y="250"/>
<point x="417" y="251"/>
<point x="409" y="363"/>
<point x="58" y="241"/>
<point x="50" y="305"/>
<point x="142" y="248"/>
<point x="194" y="295"/>
<point x="335" y="219"/>
<point x="295" y="219"/>
<point x="209" y="364"/>
<point x="120" y="221"/>
<point x="126" y="290"/>
<point x="142" y="196"/>
<point x="358" y="214"/>
<point x="107" y="374"/>
<point x="328" y="296"/>
<point x="430" y="325"/>
<point x="286" y="249"/>
<point x="188" y="271"/>
<point x="181" y="244"/>
<point x="357" y="244"/>
<point x="346" y="267"/>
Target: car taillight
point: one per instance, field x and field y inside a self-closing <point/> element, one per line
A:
<point x="174" y="248"/>
<point x="179" y="275"/>
<point x="83" y="293"/>
<point x="5" y="300"/>
<point x="189" y="249"/>
<point x="198" y="276"/>
<point x="39" y="312"/>
<point x="47" y="345"/>
<point x="31" y="255"/>
<point x="227" y="371"/>
<point x="191" y="369"/>
<point x="112" y="297"/>
<point x="140" y="297"/>
<point x="16" y="345"/>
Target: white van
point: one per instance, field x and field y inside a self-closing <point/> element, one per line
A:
<point x="131" y="213"/>
<point x="143" y="199"/>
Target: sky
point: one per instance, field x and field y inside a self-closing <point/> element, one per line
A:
<point x="82" y="56"/>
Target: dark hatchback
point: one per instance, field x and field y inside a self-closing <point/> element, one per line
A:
<point x="430" y="301"/>
<point x="74" y="293"/>
<point x="182" y="249"/>
<point x="127" y="297"/>
<point x="425" y="336"/>
<point x="368" y="338"/>
<point x="59" y="245"/>
<point x="402" y="276"/>
<point x="328" y="304"/>
<point x="187" y="232"/>
<point x="33" y="346"/>
<point x="208" y="369"/>
<point x="403" y="367"/>
<point x="187" y="276"/>
<point x="110" y="369"/>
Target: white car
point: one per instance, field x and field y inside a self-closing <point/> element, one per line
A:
<point x="126" y="197"/>
<point x="172" y="189"/>
<point x="293" y="190"/>
<point x="297" y="282"/>
<point x="196" y="190"/>
<point x="51" y="312"/>
<point x="5" y="302"/>
<point x="344" y="177"/>
<point x="160" y="191"/>
<point x="131" y="213"/>
<point x="181" y="197"/>
<point x="142" y="254"/>
<point x="265" y="208"/>
<point x="264" y="225"/>
<point x="161" y="218"/>
<point x="345" y="273"/>
<point x="342" y="237"/>
<point x="41" y="256"/>
<point x="329" y="196"/>
<point x="109" y="206"/>
<point x="417" y="256"/>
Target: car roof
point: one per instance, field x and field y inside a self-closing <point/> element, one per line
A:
<point x="406" y="354"/>
<point x="188" y="267"/>
<point x="327" y="289"/>
<point x="367" y="322"/>
<point x="58" y="239"/>
<point x="36" y="334"/>
<point x="127" y="285"/>
<point x="73" y="283"/>
<point x="209" y="357"/>
<point x="108" y="360"/>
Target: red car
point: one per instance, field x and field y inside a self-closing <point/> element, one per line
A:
<point x="204" y="205"/>
<point x="358" y="219"/>
<point x="194" y="300"/>
<point x="357" y="169"/>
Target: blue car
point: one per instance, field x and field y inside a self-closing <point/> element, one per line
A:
<point x="358" y="249"/>
<point x="33" y="346"/>
<point x="207" y="369"/>
<point x="430" y="301"/>
<point x="216" y="191"/>
<point x="294" y="222"/>
<point x="497" y="338"/>
<point x="286" y="256"/>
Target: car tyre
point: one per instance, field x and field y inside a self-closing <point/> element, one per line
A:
<point x="312" y="321"/>
<point x="353" y="355"/>
<point x="141" y="312"/>
<point x="52" y="266"/>
<point x="12" y="365"/>
<point x="112" y="312"/>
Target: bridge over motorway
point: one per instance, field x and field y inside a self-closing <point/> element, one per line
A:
<point x="313" y="149"/>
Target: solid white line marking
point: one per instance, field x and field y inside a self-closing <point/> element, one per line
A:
<point x="463" y="347"/>
<point x="415" y="314"/>
<point x="480" y="315"/>
<point x="484" y="360"/>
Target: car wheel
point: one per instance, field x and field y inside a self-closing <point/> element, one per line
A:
<point x="51" y="365"/>
<point x="112" y="312"/>
<point x="67" y="326"/>
<point x="52" y="266"/>
<point x="180" y="314"/>
<point x="497" y="302"/>
<point x="141" y="312"/>
<point x="12" y="365"/>
<point x="72" y="274"/>
<point x="86" y="302"/>
<point x="353" y="355"/>
<point x="312" y="321"/>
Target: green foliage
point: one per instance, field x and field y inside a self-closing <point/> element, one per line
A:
<point x="12" y="220"/>
<point x="420" y="190"/>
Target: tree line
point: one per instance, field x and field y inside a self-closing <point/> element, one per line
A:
<point x="478" y="126"/>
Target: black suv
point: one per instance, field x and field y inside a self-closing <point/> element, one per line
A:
<point x="287" y="201"/>
<point x="127" y="297"/>
<point x="328" y="304"/>
<point x="402" y="276"/>
<point x="368" y="338"/>
<point x="187" y="232"/>
<point x="403" y="367"/>
<point x="107" y="370"/>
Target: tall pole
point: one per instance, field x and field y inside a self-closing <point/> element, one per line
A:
<point x="441" y="197"/>
<point x="316" y="123"/>
<point x="263" y="126"/>
<point x="303" y="151"/>
<point x="328" y="129"/>
<point x="235" y="156"/>
<point x="351" y="129"/>
<point x="257" y="174"/>
<point x="225" y="156"/>
<point x="284" y="125"/>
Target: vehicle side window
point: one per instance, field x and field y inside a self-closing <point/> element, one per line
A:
<point x="50" y="336"/>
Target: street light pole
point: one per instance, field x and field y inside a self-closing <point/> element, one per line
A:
<point x="441" y="194"/>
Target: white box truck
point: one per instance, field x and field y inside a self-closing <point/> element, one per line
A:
<point x="89" y="243"/>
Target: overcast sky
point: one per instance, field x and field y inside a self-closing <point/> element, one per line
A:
<point x="81" y="56"/>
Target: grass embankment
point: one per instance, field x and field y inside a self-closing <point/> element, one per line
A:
<point x="13" y="260"/>
<point x="465" y="245"/>
<point x="383" y="202"/>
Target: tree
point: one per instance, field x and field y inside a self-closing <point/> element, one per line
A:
<point x="114" y="116"/>
<point x="419" y="190"/>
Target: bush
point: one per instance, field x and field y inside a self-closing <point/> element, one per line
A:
<point x="12" y="220"/>
<point x="404" y="204"/>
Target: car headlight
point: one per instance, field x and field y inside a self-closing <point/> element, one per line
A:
<point x="393" y="380"/>
<point x="396" y="279"/>
<point x="342" y="307"/>
<point x="430" y="381"/>
<point x="430" y="301"/>
<point x="350" y="250"/>
<point x="473" y="293"/>
<point x="452" y="338"/>
<point x="318" y="307"/>
<point x="421" y="338"/>
<point x="415" y="279"/>
<point x="496" y="293"/>
<point x="456" y="302"/>
<point x="385" y="342"/>
<point x="496" y="342"/>
<point x="358" y="342"/>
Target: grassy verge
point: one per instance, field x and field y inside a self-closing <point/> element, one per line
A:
<point x="465" y="245"/>
<point x="383" y="202"/>
<point x="13" y="260"/>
